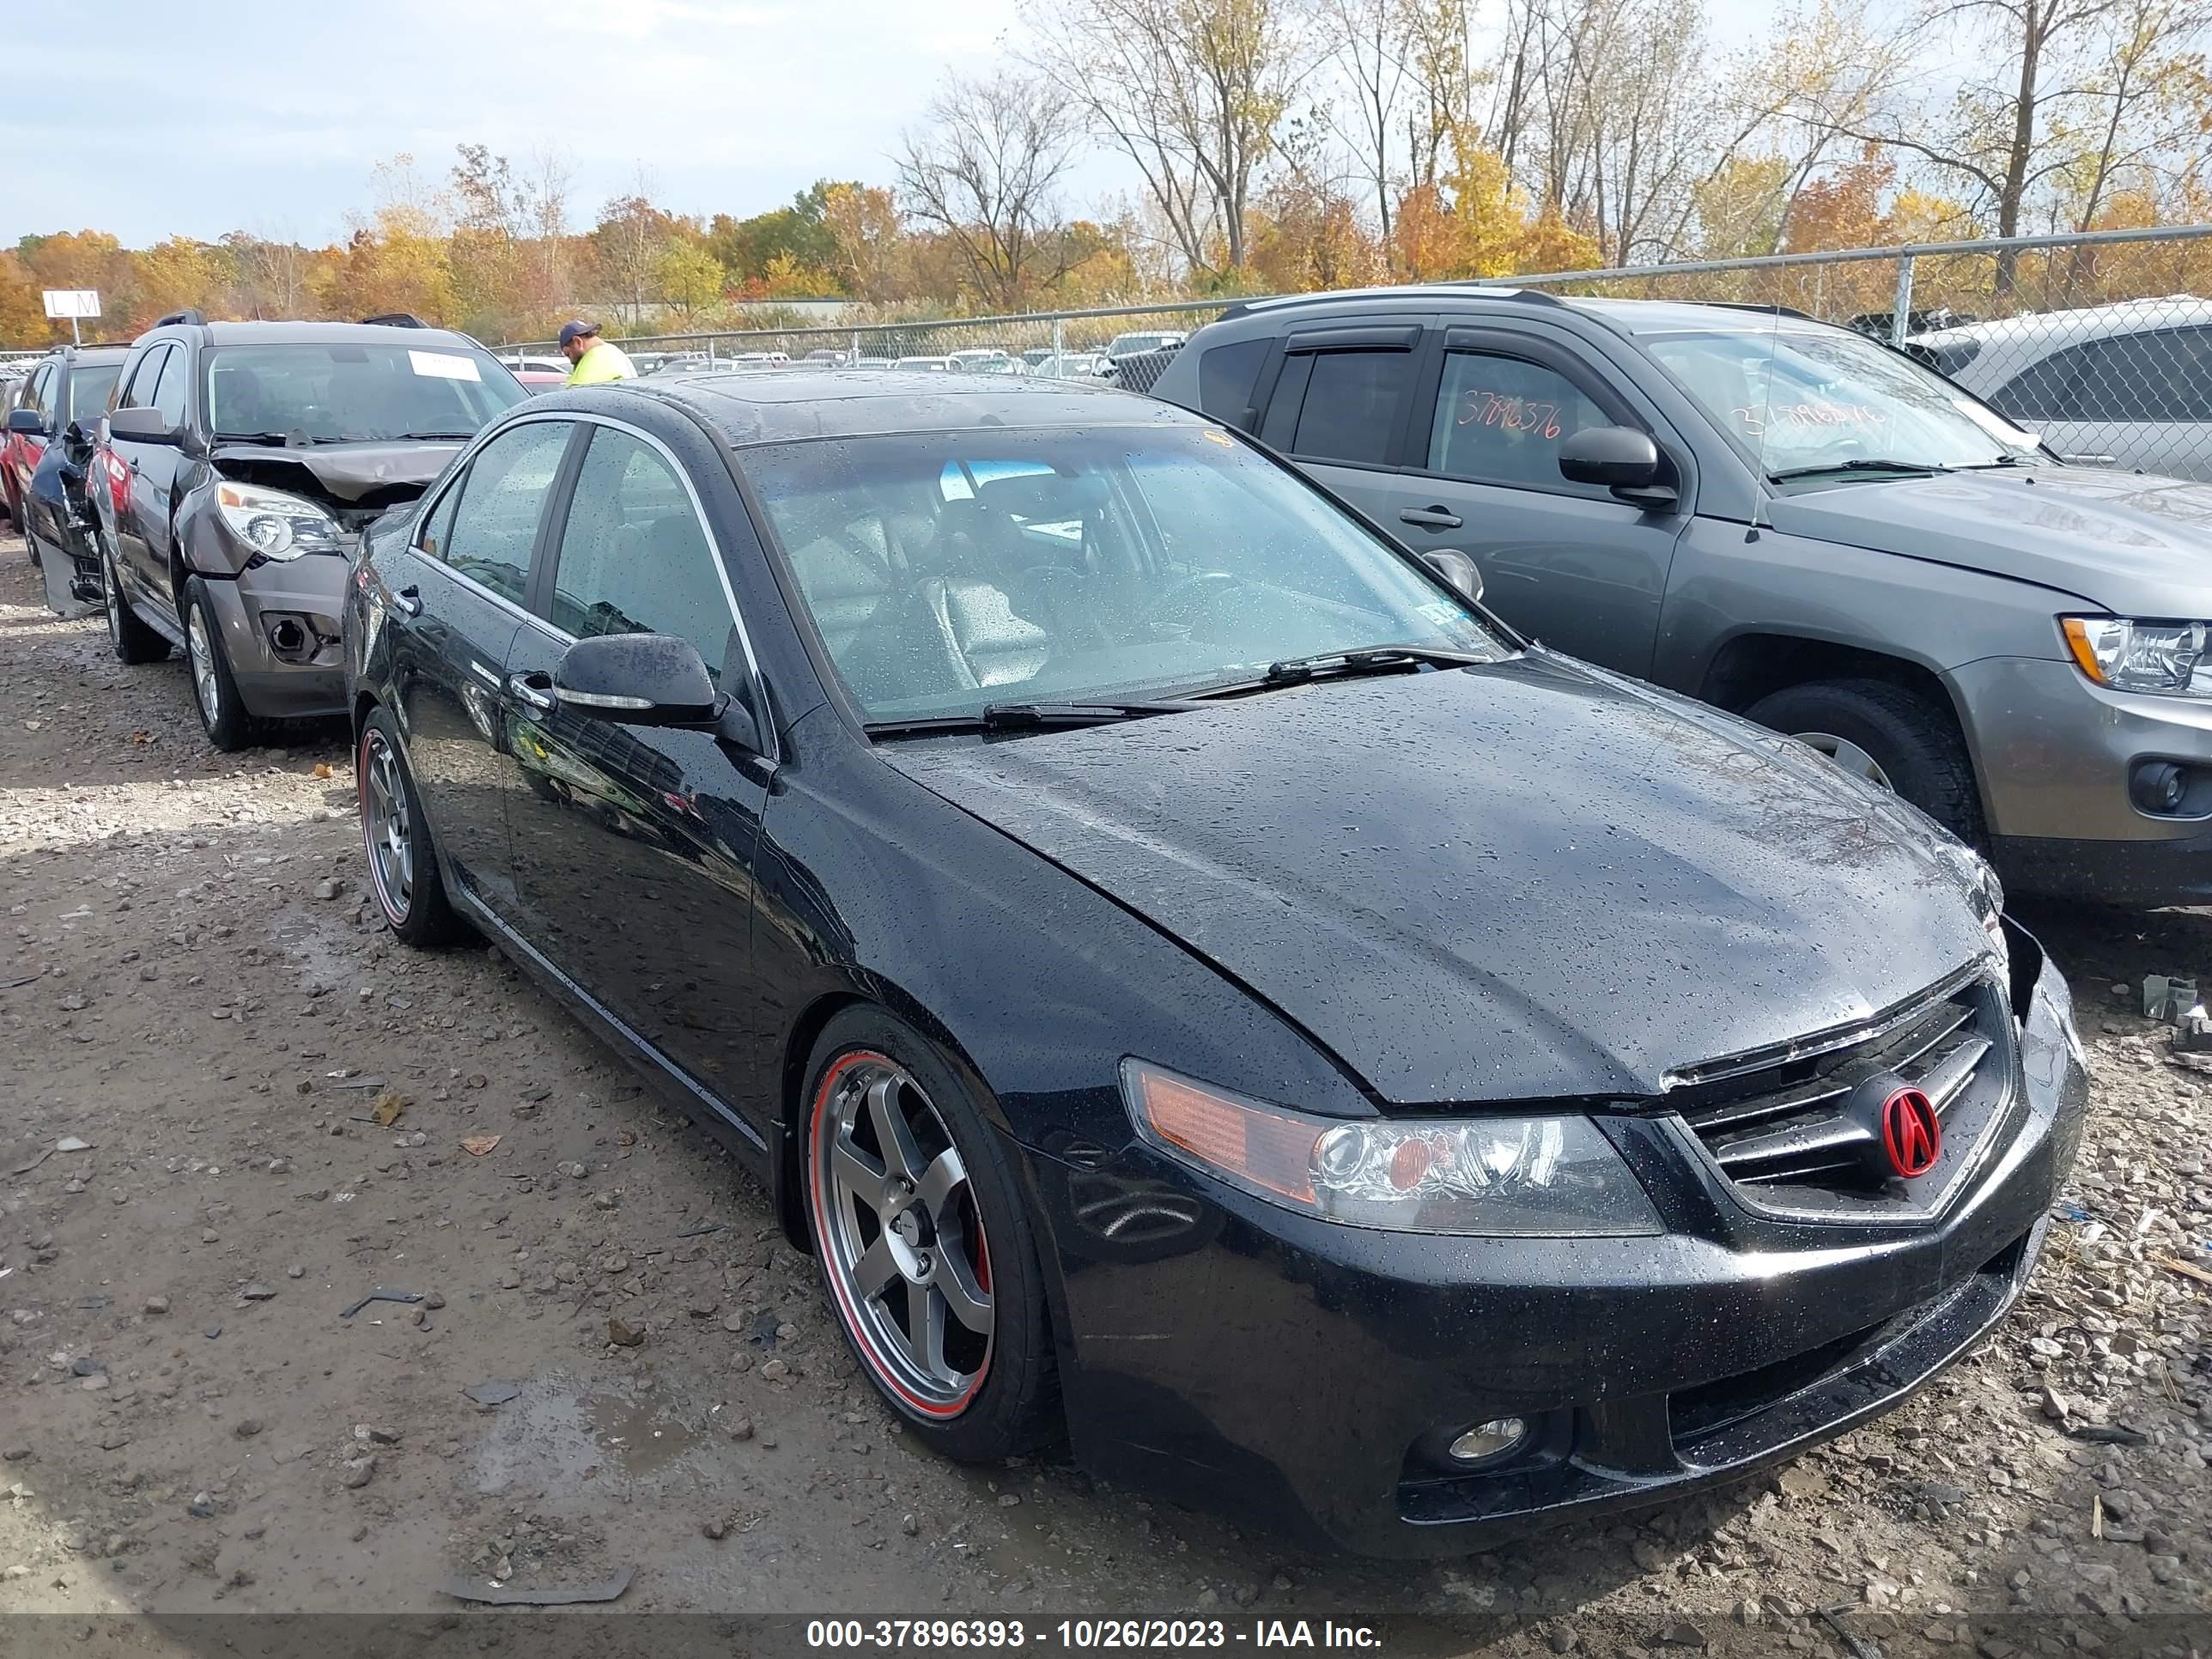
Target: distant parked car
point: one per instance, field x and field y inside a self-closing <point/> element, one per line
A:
<point x="2127" y="386"/>
<point x="975" y="357"/>
<point x="520" y="362"/>
<point x="234" y="474"/>
<point x="52" y="427"/>
<point x="1036" y="355"/>
<point x="940" y="364"/>
<point x="1129" y="345"/>
<point x="1071" y="366"/>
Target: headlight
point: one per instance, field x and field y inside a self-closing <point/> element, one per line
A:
<point x="2162" y="658"/>
<point x="277" y="525"/>
<point x="1983" y="891"/>
<point x="1526" y="1177"/>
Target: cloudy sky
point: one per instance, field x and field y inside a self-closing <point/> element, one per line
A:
<point x="267" y="115"/>
<point x="163" y="119"/>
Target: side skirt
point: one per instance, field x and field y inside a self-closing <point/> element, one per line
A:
<point x="670" y="1078"/>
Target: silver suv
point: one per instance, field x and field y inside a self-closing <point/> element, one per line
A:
<point x="2127" y="386"/>
<point x="1789" y="521"/>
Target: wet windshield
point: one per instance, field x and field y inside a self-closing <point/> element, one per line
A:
<point x="948" y="572"/>
<point x="1797" y="398"/>
<point x="344" y="393"/>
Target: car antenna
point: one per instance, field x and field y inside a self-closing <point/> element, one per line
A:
<point x="1766" y="419"/>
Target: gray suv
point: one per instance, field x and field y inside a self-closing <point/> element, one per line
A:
<point x="1789" y="520"/>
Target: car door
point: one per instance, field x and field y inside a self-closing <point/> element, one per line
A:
<point x="2143" y="402"/>
<point x="21" y="452"/>
<point x="633" y="844"/>
<point x="148" y="479"/>
<point x="457" y="601"/>
<point x="1569" y="563"/>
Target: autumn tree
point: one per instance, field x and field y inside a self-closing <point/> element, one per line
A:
<point x="630" y="240"/>
<point x="984" y="168"/>
<point x="1192" y="91"/>
<point x="864" y="227"/>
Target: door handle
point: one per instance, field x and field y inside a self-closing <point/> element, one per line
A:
<point x="1430" y="517"/>
<point x="539" y="697"/>
<point x="134" y="463"/>
<point x="408" y="601"/>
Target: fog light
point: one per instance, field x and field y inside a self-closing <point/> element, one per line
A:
<point x="2159" y="787"/>
<point x="1486" y="1441"/>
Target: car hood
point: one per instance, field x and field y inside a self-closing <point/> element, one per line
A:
<point x="2136" y="545"/>
<point x="346" y="475"/>
<point x="1525" y="881"/>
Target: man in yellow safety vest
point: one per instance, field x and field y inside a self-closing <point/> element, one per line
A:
<point x="595" y="360"/>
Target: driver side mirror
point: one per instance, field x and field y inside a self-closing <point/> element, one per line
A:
<point x="140" y="426"/>
<point x="1619" y="458"/>
<point x="648" y="680"/>
<point x="1457" y="568"/>
<point x="27" y="422"/>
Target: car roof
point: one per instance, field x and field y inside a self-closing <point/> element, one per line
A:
<point x="1625" y="316"/>
<point x="2084" y="323"/>
<point x="778" y="405"/>
<point x="221" y="334"/>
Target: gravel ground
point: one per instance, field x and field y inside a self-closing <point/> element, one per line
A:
<point x="190" y="1422"/>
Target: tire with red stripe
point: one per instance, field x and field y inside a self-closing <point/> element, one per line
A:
<point x="926" y="1245"/>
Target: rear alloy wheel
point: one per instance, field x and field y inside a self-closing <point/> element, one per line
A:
<point x="403" y="865"/>
<point x="1889" y="736"/>
<point x="924" y="1242"/>
<point x="222" y="711"/>
<point x="130" y="640"/>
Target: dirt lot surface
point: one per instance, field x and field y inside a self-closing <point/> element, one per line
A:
<point x="193" y="1419"/>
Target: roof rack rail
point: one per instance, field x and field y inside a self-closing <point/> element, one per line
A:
<point x="188" y="316"/>
<point x="395" y="320"/>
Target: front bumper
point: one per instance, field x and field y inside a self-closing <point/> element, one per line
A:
<point x="280" y="625"/>
<point x="2054" y="755"/>
<point x="1303" y="1373"/>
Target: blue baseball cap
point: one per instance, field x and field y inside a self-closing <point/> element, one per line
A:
<point x="572" y="331"/>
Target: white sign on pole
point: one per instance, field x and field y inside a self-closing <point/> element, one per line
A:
<point x="72" y="302"/>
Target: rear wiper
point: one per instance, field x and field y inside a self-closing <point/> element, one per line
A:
<point x="1368" y="659"/>
<point x="1861" y="463"/>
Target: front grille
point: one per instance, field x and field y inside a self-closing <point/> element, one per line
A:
<point x="1781" y="1126"/>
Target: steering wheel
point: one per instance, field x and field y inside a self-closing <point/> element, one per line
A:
<point x="1185" y="597"/>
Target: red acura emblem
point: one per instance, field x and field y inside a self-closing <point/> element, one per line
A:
<point x="1911" y="1133"/>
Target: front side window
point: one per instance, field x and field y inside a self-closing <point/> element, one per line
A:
<point x="1801" y="399"/>
<point x="1351" y="407"/>
<point x="349" y="392"/>
<point x="1503" y="419"/>
<point x="169" y="394"/>
<point x="494" y="523"/>
<point x="947" y="571"/>
<point x="35" y="394"/>
<point x="144" y="377"/>
<point x="634" y="558"/>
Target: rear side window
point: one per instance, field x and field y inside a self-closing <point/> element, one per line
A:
<point x="1503" y="419"/>
<point x="1351" y="407"/>
<point x="633" y="556"/>
<point x="1226" y="375"/>
<point x="492" y="530"/>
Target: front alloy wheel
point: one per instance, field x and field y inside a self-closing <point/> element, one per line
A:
<point x="386" y="827"/>
<point x="900" y="1235"/>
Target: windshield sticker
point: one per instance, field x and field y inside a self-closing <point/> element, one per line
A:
<point x="443" y="365"/>
<point x="1809" y="414"/>
<point x="1511" y="414"/>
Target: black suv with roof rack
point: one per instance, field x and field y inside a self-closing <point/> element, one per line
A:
<point x="233" y="477"/>
<point x="43" y="456"/>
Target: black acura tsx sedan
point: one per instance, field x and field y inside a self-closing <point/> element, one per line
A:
<point x="1195" y="981"/>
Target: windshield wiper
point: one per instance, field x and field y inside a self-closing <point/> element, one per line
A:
<point x="421" y="437"/>
<point x="2002" y="461"/>
<point x="1858" y="464"/>
<point x="1367" y="659"/>
<point x="279" y="439"/>
<point x="1032" y="716"/>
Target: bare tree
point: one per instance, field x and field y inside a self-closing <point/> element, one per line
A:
<point x="1373" y="49"/>
<point x="984" y="168"/>
<point x="1191" y="91"/>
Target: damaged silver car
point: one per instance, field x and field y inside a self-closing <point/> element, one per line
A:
<point x="233" y="477"/>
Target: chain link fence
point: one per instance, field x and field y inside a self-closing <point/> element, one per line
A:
<point x="2101" y="344"/>
<point x="1125" y="346"/>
